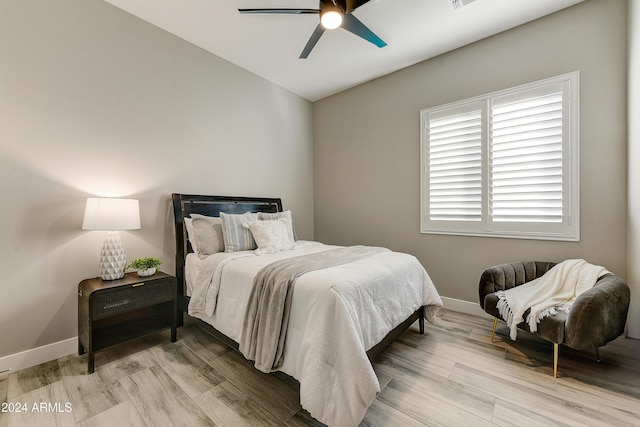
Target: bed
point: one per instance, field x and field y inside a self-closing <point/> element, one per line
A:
<point x="355" y="299"/>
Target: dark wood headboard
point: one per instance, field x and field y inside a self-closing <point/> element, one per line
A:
<point x="187" y="204"/>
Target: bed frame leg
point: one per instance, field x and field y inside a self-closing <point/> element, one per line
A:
<point x="421" y="320"/>
<point x="179" y="318"/>
<point x="555" y="360"/>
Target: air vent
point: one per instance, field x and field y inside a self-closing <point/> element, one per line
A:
<point x="459" y="3"/>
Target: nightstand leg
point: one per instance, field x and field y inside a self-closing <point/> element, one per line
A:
<point x="81" y="349"/>
<point x="174" y="334"/>
<point x="90" y="362"/>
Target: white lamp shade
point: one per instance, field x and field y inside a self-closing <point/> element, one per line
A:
<point x="111" y="214"/>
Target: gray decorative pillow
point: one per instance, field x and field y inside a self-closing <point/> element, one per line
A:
<point x="236" y="237"/>
<point x="277" y="215"/>
<point x="208" y="235"/>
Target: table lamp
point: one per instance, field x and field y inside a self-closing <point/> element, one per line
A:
<point x="112" y="215"/>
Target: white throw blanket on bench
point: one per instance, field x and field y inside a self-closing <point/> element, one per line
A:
<point x="554" y="291"/>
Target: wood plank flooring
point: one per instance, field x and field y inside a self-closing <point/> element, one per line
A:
<point x="450" y="376"/>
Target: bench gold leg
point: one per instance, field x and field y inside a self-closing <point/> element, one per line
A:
<point x="555" y="360"/>
<point x="495" y="325"/>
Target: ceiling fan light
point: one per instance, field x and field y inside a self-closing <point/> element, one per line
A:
<point x="331" y="17"/>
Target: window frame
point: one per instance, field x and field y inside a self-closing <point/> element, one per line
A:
<point x="569" y="227"/>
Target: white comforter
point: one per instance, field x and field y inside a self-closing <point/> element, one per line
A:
<point x="337" y="314"/>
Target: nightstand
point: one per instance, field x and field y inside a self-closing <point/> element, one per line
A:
<point x="113" y="311"/>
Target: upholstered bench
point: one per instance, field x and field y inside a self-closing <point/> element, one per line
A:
<point x="596" y="317"/>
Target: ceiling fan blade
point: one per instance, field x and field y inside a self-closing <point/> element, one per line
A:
<point x="351" y="5"/>
<point x="281" y="11"/>
<point x="353" y="24"/>
<point x="317" y="33"/>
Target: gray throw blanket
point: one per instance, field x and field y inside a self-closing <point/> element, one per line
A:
<point x="267" y="316"/>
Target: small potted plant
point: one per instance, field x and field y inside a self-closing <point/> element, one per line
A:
<point x="145" y="266"/>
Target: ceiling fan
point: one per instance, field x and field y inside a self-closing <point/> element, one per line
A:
<point x="333" y="14"/>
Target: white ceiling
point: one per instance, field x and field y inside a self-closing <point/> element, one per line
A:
<point x="269" y="45"/>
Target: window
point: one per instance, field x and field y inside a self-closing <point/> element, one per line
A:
<point x="504" y="164"/>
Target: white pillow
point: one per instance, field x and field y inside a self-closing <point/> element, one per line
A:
<point x="278" y="215"/>
<point x="236" y="237"/>
<point x="271" y="235"/>
<point x="208" y="236"/>
<point x="191" y="233"/>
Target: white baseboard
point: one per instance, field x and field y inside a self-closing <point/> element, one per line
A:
<point x="46" y="353"/>
<point x="465" y="307"/>
<point x="36" y="356"/>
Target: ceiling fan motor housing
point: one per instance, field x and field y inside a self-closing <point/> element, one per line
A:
<point x="343" y="18"/>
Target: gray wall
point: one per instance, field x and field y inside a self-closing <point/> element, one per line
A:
<point x="95" y="102"/>
<point x="366" y="146"/>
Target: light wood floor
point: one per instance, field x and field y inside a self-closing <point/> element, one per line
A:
<point x="450" y="376"/>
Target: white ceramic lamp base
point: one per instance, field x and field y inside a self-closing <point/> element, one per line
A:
<point x="113" y="260"/>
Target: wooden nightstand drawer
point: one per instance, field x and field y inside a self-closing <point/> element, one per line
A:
<point x="115" y="301"/>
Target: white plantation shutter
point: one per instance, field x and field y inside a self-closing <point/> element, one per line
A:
<point x="505" y="164"/>
<point x="455" y="167"/>
<point x="526" y="160"/>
